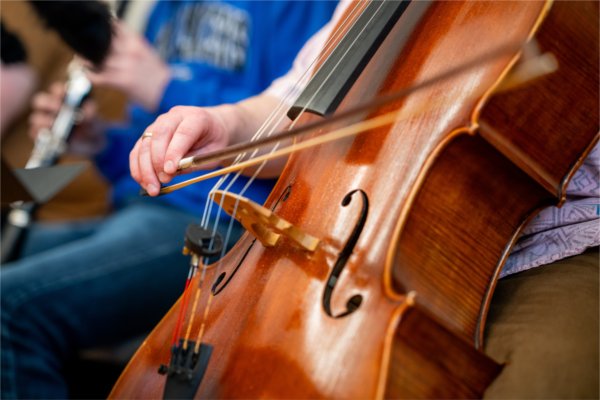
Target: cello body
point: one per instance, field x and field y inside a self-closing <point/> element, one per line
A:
<point x="420" y="215"/>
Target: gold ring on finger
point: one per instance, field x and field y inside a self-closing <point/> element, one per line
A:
<point x="146" y="135"/>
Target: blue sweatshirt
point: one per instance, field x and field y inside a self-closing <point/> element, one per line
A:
<point x="219" y="52"/>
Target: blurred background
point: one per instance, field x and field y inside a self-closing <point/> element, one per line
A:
<point x="47" y="58"/>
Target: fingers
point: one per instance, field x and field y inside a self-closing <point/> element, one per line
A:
<point x="146" y="159"/>
<point x="162" y="132"/>
<point x="46" y="106"/>
<point x="140" y="165"/>
<point x="135" y="161"/>
<point x="155" y="159"/>
<point x="190" y="133"/>
<point x="37" y="122"/>
<point x="134" y="164"/>
<point x="150" y="179"/>
<point x="49" y="102"/>
<point x="114" y="73"/>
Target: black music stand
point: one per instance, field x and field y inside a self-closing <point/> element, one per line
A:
<point x="37" y="184"/>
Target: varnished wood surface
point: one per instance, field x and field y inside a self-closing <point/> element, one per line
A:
<point x="546" y="125"/>
<point x="458" y="227"/>
<point x="457" y="371"/>
<point x="270" y="333"/>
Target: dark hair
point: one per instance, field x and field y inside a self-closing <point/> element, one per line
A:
<point x="11" y="47"/>
<point x="84" y="25"/>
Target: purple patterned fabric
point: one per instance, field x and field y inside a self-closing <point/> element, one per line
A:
<point x="556" y="233"/>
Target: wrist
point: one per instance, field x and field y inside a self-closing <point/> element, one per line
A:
<point x="247" y="117"/>
<point x="229" y="119"/>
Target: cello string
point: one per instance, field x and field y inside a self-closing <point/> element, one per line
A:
<point x="293" y="124"/>
<point x="451" y="73"/>
<point x="302" y="83"/>
<point x="279" y="110"/>
<point x="198" y="291"/>
<point x="184" y="301"/>
<point x="273" y="121"/>
<point x="349" y="130"/>
<point x="203" y="325"/>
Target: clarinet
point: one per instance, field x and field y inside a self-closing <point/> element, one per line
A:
<point x="49" y="145"/>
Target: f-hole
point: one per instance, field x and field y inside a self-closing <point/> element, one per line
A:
<point x="355" y="301"/>
<point x="216" y="289"/>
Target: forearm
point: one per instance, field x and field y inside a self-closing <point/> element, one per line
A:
<point x="242" y="120"/>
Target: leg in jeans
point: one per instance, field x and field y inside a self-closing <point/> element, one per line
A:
<point x="103" y="288"/>
<point x="44" y="236"/>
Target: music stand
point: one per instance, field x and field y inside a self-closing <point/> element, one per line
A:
<point x="36" y="184"/>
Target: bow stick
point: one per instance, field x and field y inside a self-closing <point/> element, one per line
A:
<point x="541" y="65"/>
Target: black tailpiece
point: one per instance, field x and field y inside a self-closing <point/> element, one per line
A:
<point x="185" y="371"/>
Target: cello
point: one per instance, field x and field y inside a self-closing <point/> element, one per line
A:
<point x="412" y="222"/>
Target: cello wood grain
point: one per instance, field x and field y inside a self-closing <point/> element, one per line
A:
<point x="448" y="192"/>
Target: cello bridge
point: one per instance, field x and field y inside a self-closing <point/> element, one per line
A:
<point x="263" y="223"/>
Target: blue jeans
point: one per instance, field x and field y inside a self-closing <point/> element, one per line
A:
<point x="84" y="285"/>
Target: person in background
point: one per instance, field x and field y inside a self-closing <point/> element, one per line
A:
<point x="18" y="81"/>
<point x="91" y="283"/>
<point x="49" y="52"/>
<point x="543" y="319"/>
